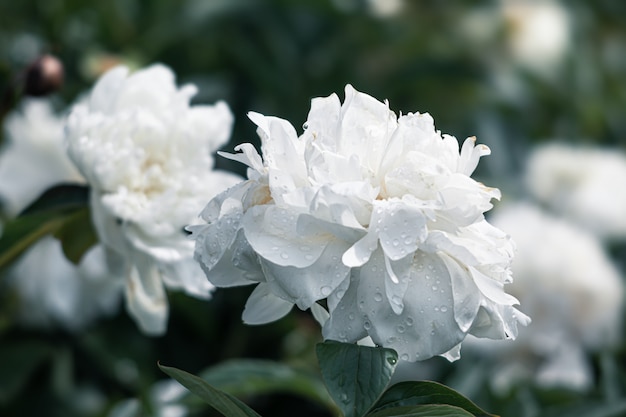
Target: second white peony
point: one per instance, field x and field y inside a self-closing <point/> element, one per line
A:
<point x="146" y="154"/>
<point x="373" y="213"/>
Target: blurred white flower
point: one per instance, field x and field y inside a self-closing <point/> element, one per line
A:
<point x="586" y="185"/>
<point x="53" y="292"/>
<point x="538" y="33"/>
<point x="146" y="153"/>
<point x="33" y="157"/>
<point x="385" y="8"/>
<point x="164" y="400"/>
<point x="374" y="213"/>
<point x="567" y="283"/>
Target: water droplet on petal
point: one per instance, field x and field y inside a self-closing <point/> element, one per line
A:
<point x="396" y="242"/>
<point x="284" y="255"/>
<point x="444" y="309"/>
<point x="367" y="325"/>
<point x="378" y="297"/>
<point x="435" y="288"/>
<point x="326" y="290"/>
<point x="308" y="256"/>
<point x="404" y="357"/>
<point x="350" y="316"/>
<point x="409" y="321"/>
<point x="400" y="328"/>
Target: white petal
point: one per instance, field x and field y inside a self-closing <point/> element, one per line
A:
<point x="320" y="314"/>
<point x="305" y="286"/>
<point x="453" y="354"/>
<point x="145" y="297"/>
<point x="492" y="289"/>
<point x="401" y="227"/>
<point x="470" y="154"/>
<point x="264" y="307"/>
<point x="464" y="291"/>
<point x="272" y="233"/>
<point x="248" y="156"/>
<point x="347" y="323"/>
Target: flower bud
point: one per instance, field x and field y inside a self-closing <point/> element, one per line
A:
<point x="43" y="76"/>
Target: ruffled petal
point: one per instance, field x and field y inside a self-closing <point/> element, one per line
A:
<point x="264" y="307"/>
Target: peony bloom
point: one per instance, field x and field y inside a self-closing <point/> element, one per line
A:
<point x="582" y="184"/>
<point x="373" y="213"/>
<point x="146" y="153"/>
<point x="574" y="293"/>
<point x="33" y="157"/>
<point x="539" y="33"/>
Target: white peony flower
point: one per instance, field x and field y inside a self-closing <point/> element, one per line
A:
<point x="539" y="33"/>
<point x="146" y="153"/>
<point x="374" y="213"/>
<point x="574" y="293"/>
<point x="54" y="292"/>
<point x="583" y="184"/>
<point x="33" y="157"/>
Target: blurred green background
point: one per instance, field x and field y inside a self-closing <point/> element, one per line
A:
<point x="456" y="60"/>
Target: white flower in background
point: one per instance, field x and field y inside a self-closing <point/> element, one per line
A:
<point x="146" y="153"/>
<point x="385" y="8"/>
<point x="50" y="290"/>
<point x="33" y="157"/>
<point x="54" y="292"/>
<point x="583" y="184"/>
<point x="567" y="283"/>
<point x="374" y="213"/>
<point x="165" y="401"/>
<point x="538" y="33"/>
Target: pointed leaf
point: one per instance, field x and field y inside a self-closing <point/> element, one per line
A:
<point x="255" y="377"/>
<point x="77" y="235"/>
<point x="355" y="376"/>
<point x="221" y="401"/>
<point x="433" y="410"/>
<point x="58" y="198"/>
<point x="413" y="393"/>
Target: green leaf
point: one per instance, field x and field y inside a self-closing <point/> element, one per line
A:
<point x="77" y="234"/>
<point x="19" y="234"/>
<point x="63" y="197"/>
<point x="221" y="401"/>
<point x="18" y="361"/>
<point x="432" y="410"/>
<point x="255" y="377"/>
<point x="60" y="207"/>
<point x="413" y="393"/>
<point x="355" y="375"/>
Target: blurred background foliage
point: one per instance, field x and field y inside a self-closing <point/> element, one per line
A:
<point x="455" y="60"/>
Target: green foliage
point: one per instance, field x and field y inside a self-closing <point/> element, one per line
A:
<point x="422" y="411"/>
<point x="221" y="401"/>
<point x="256" y="377"/>
<point x="412" y="393"/>
<point x="355" y="375"/>
<point x="61" y="211"/>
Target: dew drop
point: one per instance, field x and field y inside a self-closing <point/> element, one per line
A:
<point x="284" y="255"/>
<point x="435" y="288"/>
<point x="378" y="297"/>
<point x="350" y="316"/>
<point x="436" y="308"/>
<point x="326" y="290"/>
<point x="395" y="242"/>
<point x="400" y="328"/>
<point x="343" y="397"/>
<point x="404" y="357"/>
<point x="340" y="294"/>
<point x="409" y="321"/>
<point x="444" y="309"/>
<point x="367" y="325"/>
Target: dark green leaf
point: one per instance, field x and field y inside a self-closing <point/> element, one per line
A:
<point x="77" y="235"/>
<point x="22" y="232"/>
<point x="59" y="198"/>
<point x="412" y="393"/>
<point x="433" y="410"/>
<point x="355" y="375"/>
<point x="221" y="401"/>
<point x="17" y="363"/>
<point x="254" y="377"/>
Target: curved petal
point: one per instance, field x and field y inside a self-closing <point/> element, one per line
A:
<point x="145" y="297"/>
<point x="264" y="307"/>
